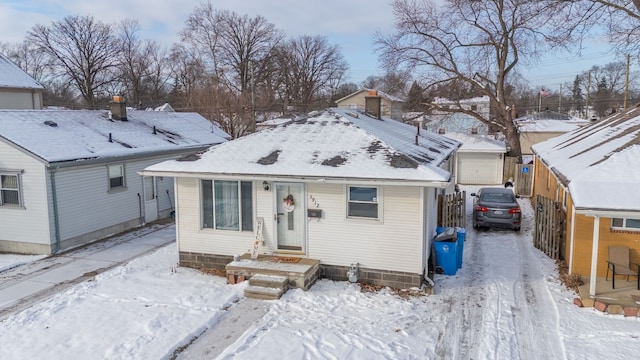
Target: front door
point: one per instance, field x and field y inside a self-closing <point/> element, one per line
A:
<point x="150" y="199"/>
<point x="290" y="216"/>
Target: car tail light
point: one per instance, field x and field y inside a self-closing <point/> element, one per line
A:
<point x="515" y="210"/>
<point x="481" y="209"/>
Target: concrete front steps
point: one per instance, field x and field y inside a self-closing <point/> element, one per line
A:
<point x="266" y="287"/>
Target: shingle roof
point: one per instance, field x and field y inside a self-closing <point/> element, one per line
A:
<point x="599" y="162"/>
<point x="65" y="135"/>
<point x="11" y="76"/>
<point x="330" y="144"/>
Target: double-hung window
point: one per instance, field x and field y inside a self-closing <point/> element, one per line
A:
<point x="625" y="223"/>
<point x="362" y="202"/>
<point x="227" y="205"/>
<point x="10" y="189"/>
<point x="116" y="177"/>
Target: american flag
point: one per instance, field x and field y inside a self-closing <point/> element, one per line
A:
<point x="544" y="93"/>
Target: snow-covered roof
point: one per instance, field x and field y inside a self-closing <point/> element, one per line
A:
<point x="476" y="100"/>
<point x="11" y="76"/>
<point x="478" y="143"/>
<point x="337" y="143"/>
<point x="455" y="122"/>
<point x="549" y="121"/>
<point x="599" y="162"/>
<point x="66" y="135"/>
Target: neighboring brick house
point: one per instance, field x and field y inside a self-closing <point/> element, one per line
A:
<point x="593" y="174"/>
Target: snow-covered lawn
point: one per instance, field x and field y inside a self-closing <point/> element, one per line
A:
<point x="505" y="303"/>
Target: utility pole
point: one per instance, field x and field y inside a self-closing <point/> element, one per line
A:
<point x="586" y="114"/>
<point x="560" y="100"/>
<point x="626" y="84"/>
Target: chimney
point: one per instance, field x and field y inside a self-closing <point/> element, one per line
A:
<point x="373" y="104"/>
<point x="118" y="108"/>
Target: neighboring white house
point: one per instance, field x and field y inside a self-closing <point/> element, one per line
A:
<point x="70" y="177"/>
<point x="338" y="186"/>
<point x="18" y="90"/>
<point x="480" y="159"/>
<point x="443" y="122"/>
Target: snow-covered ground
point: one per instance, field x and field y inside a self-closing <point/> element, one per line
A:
<point x="505" y="303"/>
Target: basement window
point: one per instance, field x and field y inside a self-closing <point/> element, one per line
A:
<point x="625" y="224"/>
<point x="10" y="189"/>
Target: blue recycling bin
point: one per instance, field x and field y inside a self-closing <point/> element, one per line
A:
<point x="440" y="229"/>
<point x="460" y="236"/>
<point x="445" y="245"/>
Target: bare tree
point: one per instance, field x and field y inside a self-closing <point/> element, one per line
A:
<point x="307" y="66"/>
<point x="393" y="82"/>
<point x="27" y="58"/>
<point x="479" y="43"/>
<point x="83" y="51"/>
<point x="143" y="70"/>
<point x="620" y="17"/>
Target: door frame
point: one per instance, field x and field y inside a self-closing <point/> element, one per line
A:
<point x="300" y="212"/>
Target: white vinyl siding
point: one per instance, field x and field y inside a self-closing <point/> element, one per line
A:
<point x="479" y="168"/>
<point x="20" y="99"/>
<point x="393" y="244"/>
<point x="193" y="238"/>
<point x="28" y="223"/>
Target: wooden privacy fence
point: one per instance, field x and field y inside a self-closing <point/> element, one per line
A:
<point x="549" y="233"/>
<point x="523" y="179"/>
<point x="452" y="209"/>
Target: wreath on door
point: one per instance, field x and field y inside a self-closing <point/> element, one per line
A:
<point x="288" y="203"/>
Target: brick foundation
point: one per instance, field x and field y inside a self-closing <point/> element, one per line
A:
<point x="204" y="261"/>
<point x="394" y="279"/>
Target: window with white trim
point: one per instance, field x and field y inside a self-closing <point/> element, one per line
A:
<point x="10" y="189"/>
<point x="116" y="177"/>
<point x="362" y="202"/>
<point x="625" y="223"/>
<point x="227" y="205"/>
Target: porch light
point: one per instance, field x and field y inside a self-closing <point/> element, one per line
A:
<point x="265" y="186"/>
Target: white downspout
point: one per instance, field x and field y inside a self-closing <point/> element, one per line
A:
<point x="594" y="257"/>
<point x="572" y="238"/>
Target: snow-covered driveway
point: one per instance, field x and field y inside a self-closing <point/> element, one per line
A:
<point x="500" y="306"/>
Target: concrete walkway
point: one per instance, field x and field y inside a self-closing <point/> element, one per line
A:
<point x="239" y="317"/>
<point x="30" y="283"/>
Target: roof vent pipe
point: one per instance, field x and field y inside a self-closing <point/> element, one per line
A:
<point x="154" y="130"/>
<point x="110" y="140"/>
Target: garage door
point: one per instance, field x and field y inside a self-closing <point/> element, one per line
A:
<point x="479" y="169"/>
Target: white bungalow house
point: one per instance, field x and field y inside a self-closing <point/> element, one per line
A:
<point x="18" y="90"/>
<point x="70" y="177"/>
<point x="338" y="186"/>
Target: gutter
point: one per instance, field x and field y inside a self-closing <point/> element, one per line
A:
<point x="305" y="179"/>
<point x="56" y="219"/>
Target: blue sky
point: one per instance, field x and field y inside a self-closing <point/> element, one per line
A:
<point x="349" y="24"/>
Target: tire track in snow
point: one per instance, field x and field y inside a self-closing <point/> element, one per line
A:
<point x="460" y="336"/>
<point x="535" y="313"/>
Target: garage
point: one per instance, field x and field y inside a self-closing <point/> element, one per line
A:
<point x="479" y="160"/>
<point x="479" y="168"/>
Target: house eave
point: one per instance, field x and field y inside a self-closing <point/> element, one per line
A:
<point x="296" y="178"/>
<point x="609" y="213"/>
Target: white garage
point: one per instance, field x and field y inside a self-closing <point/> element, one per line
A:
<point x="479" y="161"/>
